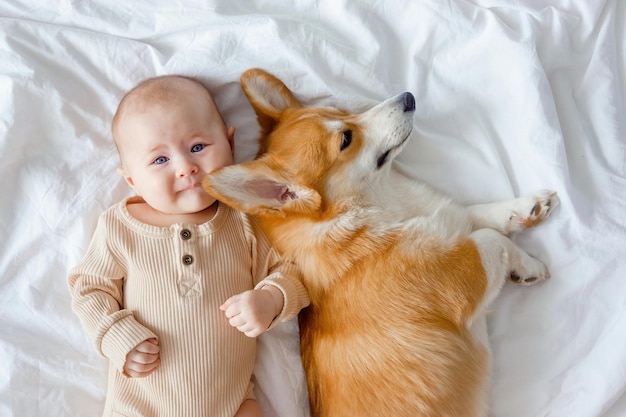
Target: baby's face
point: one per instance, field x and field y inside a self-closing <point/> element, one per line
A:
<point x="166" y="151"/>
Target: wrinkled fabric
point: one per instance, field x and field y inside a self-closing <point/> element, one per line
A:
<point x="511" y="97"/>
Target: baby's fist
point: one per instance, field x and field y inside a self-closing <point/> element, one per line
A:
<point x="143" y="359"/>
<point x="251" y="312"/>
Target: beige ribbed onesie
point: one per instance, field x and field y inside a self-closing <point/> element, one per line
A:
<point x="139" y="281"/>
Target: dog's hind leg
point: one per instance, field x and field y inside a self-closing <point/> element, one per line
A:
<point x="514" y="215"/>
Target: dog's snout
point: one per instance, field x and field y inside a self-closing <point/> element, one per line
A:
<point x="409" y="102"/>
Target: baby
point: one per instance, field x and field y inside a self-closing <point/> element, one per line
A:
<point x="175" y="286"/>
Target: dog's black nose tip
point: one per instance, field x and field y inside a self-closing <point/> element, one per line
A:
<point x="409" y="102"/>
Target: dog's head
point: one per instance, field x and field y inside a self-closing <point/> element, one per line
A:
<point x="311" y="160"/>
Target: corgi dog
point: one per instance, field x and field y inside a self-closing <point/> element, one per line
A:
<point x="399" y="275"/>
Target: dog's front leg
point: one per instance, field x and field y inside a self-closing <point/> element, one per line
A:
<point x="502" y="259"/>
<point x="514" y="215"/>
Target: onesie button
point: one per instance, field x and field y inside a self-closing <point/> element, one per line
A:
<point x="187" y="259"/>
<point x="185" y="234"/>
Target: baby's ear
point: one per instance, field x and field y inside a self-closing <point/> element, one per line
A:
<point x="127" y="177"/>
<point x="252" y="187"/>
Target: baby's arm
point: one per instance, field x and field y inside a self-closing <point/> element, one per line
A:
<point x="252" y="312"/>
<point x="278" y="293"/>
<point x="97" y="298"/>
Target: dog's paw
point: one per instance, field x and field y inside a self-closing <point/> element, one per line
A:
<point x="531" y="272"/>
<point x="533" y="210"/>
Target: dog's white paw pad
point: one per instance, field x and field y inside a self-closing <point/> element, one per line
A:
<point x="530" y="280"/>
<point x="544" y="202"/>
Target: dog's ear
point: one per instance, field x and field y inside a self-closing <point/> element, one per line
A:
<point x="253" y="188"/>
<point x="268" y="95"/>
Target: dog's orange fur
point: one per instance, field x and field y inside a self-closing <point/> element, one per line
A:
<point x="388" y="332"/>
<point x="390" y="338"/>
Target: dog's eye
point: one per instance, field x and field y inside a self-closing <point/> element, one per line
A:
<point x="346" y="140"/>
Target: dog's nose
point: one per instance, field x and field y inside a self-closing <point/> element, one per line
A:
<point x="409" y="102"/>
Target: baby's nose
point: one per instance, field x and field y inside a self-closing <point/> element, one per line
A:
<point x="186" y="169"/>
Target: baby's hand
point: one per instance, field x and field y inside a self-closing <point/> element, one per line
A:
<point x="251" y="312"/>
<point x="143" y="359"/>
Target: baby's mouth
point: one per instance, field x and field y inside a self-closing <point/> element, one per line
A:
<point x="190" y="186"/>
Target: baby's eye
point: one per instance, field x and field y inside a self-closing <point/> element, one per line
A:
<point x="197" y="148"/>
<point x="161" y="160"/>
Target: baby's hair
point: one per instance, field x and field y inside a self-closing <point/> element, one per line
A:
<point x="157" y="90"/>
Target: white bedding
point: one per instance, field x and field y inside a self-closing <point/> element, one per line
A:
<point x="512" y="96"/>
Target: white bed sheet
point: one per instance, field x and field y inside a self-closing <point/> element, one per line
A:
<point x="512" y="96"/>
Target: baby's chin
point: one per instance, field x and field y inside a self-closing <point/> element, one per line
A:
<point x="188" y="204"/>
<point x="211" y="206"/>
<point x="198" y="207"/>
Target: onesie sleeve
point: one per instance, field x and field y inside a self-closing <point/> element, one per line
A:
<point x="97" y="299"/>
<point x="284" y="275"/>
